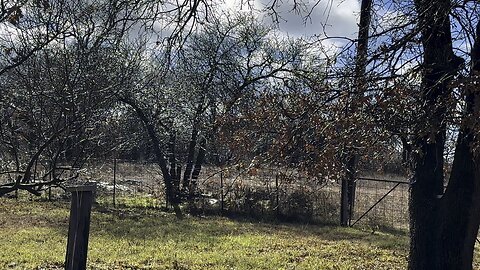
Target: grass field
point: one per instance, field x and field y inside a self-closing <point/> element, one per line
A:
<point x="33" y="236"/>
<point x="138" y="235"/>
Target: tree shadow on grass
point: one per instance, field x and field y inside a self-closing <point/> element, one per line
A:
<point x="133" y="236"/>
<point x="134" y="222"/>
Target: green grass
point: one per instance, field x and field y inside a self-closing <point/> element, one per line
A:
<point x="33" y="236"/>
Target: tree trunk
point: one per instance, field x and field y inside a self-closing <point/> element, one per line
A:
<point x="170" y="193"/>
<point x="443" y="226"/>
<point x="424" y="210"/>
<point x="190" y="156"/>
<point x="461" y="207"/>
<point x="173" y="164"/>
<point x="348" y="184"/>
<point x="462" y="197"/>
<point x="428" y="176"/>
<point x="198" y="167"/>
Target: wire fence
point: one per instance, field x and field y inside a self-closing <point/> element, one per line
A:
<point x="269" y="193"/>
<point x="381" y="203"/>
<point x="264" y="193"/>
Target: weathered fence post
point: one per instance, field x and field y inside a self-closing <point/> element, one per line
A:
<point x="221" y="193"/>
<point x="277" y="195"/>
<point x="79" y="226"/>
<point x="344" y="203"/>
<point x="51" y="177"/>
<point x="347" y="200"/>
<point x="114" y="180"/>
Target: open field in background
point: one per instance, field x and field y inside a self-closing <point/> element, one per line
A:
<point x="262" y="193"/>
<point x="34" y="235"/>
<point x="137" y="234"/>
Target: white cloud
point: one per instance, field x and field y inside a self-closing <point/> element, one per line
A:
<point x="333" y="17"/>
<point x="241" y="5"/>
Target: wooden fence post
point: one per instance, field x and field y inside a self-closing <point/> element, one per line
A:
<point x="344" y="207"/>
<point x="114" y="181"/>
<point x="277" y="195"/>
<point x="79" y="227"/>
<point x="221" y="193"/>
<point x="347" y="200"/>
<point x="51" y="177"/>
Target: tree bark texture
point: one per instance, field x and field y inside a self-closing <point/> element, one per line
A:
<point x="461" y="202"/>
<point x="443" y="225"/>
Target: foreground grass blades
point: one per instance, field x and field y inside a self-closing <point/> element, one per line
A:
<point x="34" y="237"/>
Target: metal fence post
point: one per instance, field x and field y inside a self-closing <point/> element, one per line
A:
<point x="79" y="227"/>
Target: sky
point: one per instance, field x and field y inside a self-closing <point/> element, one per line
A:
<point x="330" y="17"/>
<point x="313" y="17"/>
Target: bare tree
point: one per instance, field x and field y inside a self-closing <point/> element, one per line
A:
<point x="50" y="104"/>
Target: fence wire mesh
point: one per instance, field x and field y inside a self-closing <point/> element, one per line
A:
<point x="264" y="193"/>
<point x="381" y="202"/>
